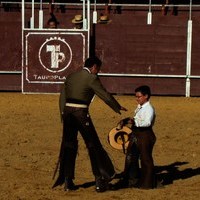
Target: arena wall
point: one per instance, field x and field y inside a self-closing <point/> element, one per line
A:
<point x="133" y="52"/>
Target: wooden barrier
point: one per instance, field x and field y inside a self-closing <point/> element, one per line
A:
<point x="127" y="46"/>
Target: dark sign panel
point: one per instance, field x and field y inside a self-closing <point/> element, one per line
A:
<point x="49" y="57"/>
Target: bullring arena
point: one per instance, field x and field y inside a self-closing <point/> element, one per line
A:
<point x="30" y="140"/>
<point x="162" y="52"/>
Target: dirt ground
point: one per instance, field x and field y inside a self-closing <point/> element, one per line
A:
<point x="30" y="131"/>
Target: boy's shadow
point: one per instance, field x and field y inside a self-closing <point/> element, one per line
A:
<point x="168" y="173"/>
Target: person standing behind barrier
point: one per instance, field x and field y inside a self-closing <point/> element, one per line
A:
<point x="75" y="98"/>
<point x="78" y="21"/>
<point x="165" y="7"/>
<point x="141" y="144"/>
<point x="52" y="21"/>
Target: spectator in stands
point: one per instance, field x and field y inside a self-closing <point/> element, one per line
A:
<point x="104" y="19"/>
<point x="52" y="22"/>
<point x="78" y="22"/>
<point x="165" y="7"/>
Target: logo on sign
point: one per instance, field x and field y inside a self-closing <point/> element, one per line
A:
<point x="55" y="54"/>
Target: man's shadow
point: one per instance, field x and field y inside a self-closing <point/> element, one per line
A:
<point x="166" y="174"/>
<point x="169" y="173"/>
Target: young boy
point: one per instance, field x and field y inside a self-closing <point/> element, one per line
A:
<point x="141" y="143"/>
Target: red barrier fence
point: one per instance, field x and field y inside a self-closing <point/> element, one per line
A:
<point x="133" y="52"/>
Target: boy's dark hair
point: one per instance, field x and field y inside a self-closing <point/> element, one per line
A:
<point x="92" y="61"/>
<point x="144" y="89"/>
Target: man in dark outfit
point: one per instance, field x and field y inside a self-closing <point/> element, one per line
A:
<point x="75" y="98"/>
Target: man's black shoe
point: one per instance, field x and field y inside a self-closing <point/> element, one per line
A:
<point x="101" y="184"/>
<point x="69" y="185"/>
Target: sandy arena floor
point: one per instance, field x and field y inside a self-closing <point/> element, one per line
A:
<point x="30" y="131"/>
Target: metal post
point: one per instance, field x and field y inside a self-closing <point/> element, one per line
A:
<point x="32" y="17"/>
<point x="95" y="13"/>
<point x="23" y="26"/>
<point x="189" y="50"/>
<point x="149" y="15"/>
<point x="88" y="15"/>
<point x="88" y="25"/>
<point x="84" y="19"/>
<point x="23" y="14"/>
<point x="40" y="16"/>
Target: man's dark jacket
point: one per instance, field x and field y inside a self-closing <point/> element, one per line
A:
<point x="81" y="87"/>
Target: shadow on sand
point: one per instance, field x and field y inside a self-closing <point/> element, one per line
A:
<point x="170" y="173"/>
<point x="166" y="174"/>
